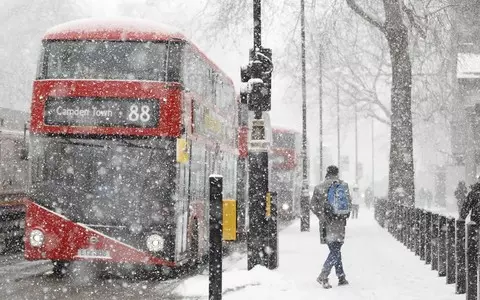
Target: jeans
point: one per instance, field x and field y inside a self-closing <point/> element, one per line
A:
<point x="333" y="259"/>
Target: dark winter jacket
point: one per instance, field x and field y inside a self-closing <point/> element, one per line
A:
<point x="472" y="204"/>
<point x="335" y="225"/>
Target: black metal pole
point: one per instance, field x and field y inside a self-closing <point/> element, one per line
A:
<point x="356" y="143"/>
<point x="338" y="124"/>
<point x="403" y="230"/>
<point x="411" y="234"/>
<point x="450" y="250"/>
<point x="257" y="75"/>
<point x="304" y="202"/>
<point x="257" y="193"/>
<point x="428" y="238"/>
<point x="423" y="229"/>
<point x="257" y="24"/>
<point x="215" y="250"/>
<point x="395" y="221"/>
<point x="417" y="231"/>
<point x="320" y="101"/>
<point x="406" y="225"/>
<point x="442" y="253"/>
<point x="398" y="222"/>
<point x="373" y="158"/>
<point x="434" y="241"/>
<point x="472" y="260"/>
<point x="272" y="237"/>
<point x="460" y="287"/>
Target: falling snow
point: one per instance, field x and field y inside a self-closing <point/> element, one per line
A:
<point x="112" y="124"/>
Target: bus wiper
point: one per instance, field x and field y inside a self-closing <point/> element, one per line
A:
<point x="69" y="141"/>
<point x="138" y="146"/>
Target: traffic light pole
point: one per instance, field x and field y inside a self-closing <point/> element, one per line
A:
<point x="258" y="97"/>
<point x="257" y="192"/>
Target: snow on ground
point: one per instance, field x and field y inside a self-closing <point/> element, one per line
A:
<point x="377" y="266"/>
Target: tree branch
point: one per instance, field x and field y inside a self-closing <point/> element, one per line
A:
<point x="439" y="10"/>
<point x="367" y="17"/>
<point x="411" y="18"/>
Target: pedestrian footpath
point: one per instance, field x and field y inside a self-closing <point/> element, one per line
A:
<point x="377" y="267"/>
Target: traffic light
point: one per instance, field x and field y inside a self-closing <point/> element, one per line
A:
<point x="258" y="78"/>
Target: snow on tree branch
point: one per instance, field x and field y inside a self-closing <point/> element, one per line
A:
<point x="366" y="16"/>
<point x="412" y="18"/>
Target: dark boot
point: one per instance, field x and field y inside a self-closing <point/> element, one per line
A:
<point x="324" y="282"/>
<point x="342" y="281"/>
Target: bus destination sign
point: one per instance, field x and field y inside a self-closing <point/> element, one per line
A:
<point x="104" y="112"/>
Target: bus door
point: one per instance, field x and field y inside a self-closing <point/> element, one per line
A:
<point x="182" y="205"/>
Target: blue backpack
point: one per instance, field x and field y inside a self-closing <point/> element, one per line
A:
<point x="337" y="199"/>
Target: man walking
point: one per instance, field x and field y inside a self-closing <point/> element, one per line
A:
<point x="331" y="203"/>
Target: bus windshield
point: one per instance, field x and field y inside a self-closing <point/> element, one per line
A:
<point x="103" y="182"/>
<point x="108" y="60"/>
<point x="284" y="140"/>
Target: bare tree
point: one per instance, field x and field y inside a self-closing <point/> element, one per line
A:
<point x="401" y="175"/>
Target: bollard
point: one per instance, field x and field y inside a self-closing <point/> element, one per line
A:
<point x="397" y="222"/>
<point x="434" y="242"/>
<point x="450" y="247"/>
<point x="442" y="253"/>
<point x="411" y="229"/>
<point x="388" y="216"/>
<point x="215" y="249"/>
<point x="404" y="231"/>
<point x="460" y="274"/>
<point x="428" y="238"/>
<point x="405" y="225"/>
<point x="271" y="250"/>
<point x="408" y="219"/>
<point x="471" y="260"/>
<point x="423" y="214"/>
<point x="418" y="230"/>
<point x="414" y="230"/>
<point x="382" y="206"/>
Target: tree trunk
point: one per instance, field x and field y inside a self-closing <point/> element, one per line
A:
<point x="401" y="187"/>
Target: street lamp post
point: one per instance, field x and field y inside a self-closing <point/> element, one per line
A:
<point x="356" y="144"/>
<point x="304" y="200"/>
<point x="320" y="101"/>
<point x="338" y="125"/>
<point x="373" y="158"/>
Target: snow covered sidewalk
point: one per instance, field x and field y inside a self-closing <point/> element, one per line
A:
<point x="377" y="266"/>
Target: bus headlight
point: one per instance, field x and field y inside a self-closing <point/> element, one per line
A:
<point x="285" y="206"/>
<point x="36" y="238"/>
<point x="155" y="243"/>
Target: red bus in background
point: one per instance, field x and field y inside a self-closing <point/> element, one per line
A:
<point x="128" y="119"/>
<point x="286" y="171"/>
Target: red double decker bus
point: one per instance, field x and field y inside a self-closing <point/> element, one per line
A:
<point x="286" y="177"/>
<point x="128" y="119"/>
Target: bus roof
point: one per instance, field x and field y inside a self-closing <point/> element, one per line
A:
<point x="284" y="130"/>
<point x="120" y="29"/>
